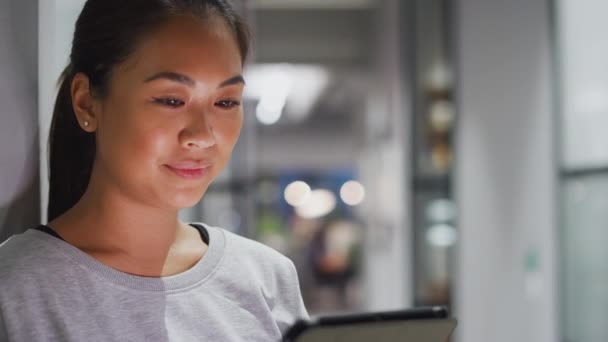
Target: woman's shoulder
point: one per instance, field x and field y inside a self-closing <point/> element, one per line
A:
<point x="251" y="247"/>
<point x="22" y="254"/>
<point x="17" y="248"/>
<point x="250" y="253"/>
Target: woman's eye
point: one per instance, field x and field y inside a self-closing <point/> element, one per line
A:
<point x="227" y="104"/>
<point x="170" y="102"/>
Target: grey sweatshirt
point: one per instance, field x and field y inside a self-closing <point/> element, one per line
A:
<point x="240" y="290"/>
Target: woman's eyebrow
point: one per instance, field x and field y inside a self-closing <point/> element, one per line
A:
<point x="172" y="76"/>
<point x="232" y="81"/>
<point x="183" y="79"/>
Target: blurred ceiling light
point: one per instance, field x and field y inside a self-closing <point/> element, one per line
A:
<point x="297" y="193"/>
<point x="439" y="76"/>
<point x="441" y="116"/>
<point x="277" y="87"/>
<point x="441" y="235"/>
<point x="270" y="109"/>
<point x="312" y="80"/>
<point x="272" y="86"/>
<point x="441" y="211"/>
<point x="352" y="193"/>
<point x="320" y="203"/>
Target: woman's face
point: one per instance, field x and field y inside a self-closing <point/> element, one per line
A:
<point x="172" y="114"/>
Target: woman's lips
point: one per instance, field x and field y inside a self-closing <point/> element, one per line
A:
<point x="189" y="172"/>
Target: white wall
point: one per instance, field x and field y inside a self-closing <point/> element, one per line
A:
<point x="18" y="127"/>
<point x="584" y="84"/>
<point x="505" y="176"/>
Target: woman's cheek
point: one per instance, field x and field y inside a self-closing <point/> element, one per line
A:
<point x="223" y="125"/>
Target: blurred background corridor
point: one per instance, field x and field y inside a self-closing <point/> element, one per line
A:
<point x="401" y="152"/>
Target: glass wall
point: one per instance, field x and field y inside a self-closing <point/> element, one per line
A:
<point x="325" y="171"/>
<point x="434" y="210"/>
<point x="582" y="51"/>
<point x="295" y="182"/>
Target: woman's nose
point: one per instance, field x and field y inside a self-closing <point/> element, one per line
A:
<point x="198" y="133"/>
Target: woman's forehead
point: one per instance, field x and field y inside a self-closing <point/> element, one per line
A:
<point x="189" y="47"/>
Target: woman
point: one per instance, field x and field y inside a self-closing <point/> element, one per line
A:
<point x="147" y="114"/>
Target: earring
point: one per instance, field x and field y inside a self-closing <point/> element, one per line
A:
<point x="86" y="124"/>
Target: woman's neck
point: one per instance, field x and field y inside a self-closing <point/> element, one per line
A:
<point x="129" y="236"/>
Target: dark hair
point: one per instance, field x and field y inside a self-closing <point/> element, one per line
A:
<point x="107" y="32"/>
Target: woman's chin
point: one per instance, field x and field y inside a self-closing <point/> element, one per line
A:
<point x="186" y="200"/>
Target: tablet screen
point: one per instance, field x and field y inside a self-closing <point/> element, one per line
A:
<point x="415" y="331"/>
<point x="427" y="324"/>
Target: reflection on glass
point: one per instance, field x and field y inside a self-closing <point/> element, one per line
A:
<point x="321" y="234"/>
<point x="585" y="271"/>
<point x="434" y="211"/>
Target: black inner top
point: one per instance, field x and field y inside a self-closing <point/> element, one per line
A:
<point x="201" y="230"/>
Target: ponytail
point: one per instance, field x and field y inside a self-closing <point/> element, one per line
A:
<point x="71" y="152"/>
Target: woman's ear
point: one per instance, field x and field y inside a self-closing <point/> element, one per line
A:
<point x="83" y="103"/>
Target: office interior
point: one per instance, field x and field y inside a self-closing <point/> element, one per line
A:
<point x="401" y="152"/>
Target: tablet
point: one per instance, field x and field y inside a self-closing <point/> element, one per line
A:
<point x="428" y="324"/>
